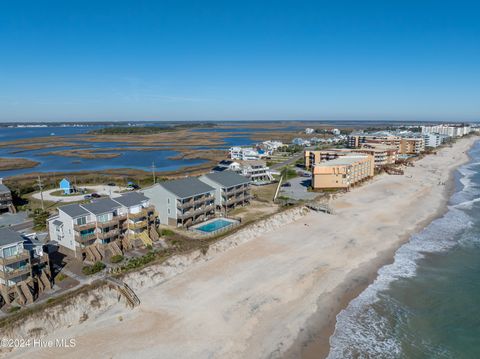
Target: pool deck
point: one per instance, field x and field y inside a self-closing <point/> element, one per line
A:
<point x="233" y="223"/>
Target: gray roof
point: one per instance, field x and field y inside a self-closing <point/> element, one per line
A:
<point x="57" y="222"/>
<point x="74" y="210"/>
<point x="3" y="188"/>
<point x="101" y="206"/>
<point x="227" y="178"/>
<point x="186" y="187"/>
<point x="8" y="236"/>
<point x="131" y="199"/>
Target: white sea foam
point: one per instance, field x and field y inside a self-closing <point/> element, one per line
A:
<point x="361" y="332"/>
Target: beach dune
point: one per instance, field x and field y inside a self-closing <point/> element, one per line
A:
<point x="276" y="295"/>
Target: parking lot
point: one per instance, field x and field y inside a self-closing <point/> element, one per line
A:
<point x="298" y="189"/>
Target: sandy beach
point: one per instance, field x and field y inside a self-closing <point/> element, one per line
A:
<point x="276" y="295"/>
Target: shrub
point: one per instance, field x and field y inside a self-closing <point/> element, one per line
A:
<point x="116" y="258"/>
<point x="60" y="277"/>
<point x="166" y="232"/>
<point x="97" y="267"/>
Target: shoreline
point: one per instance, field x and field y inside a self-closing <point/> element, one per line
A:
<point x="254" y="299"/>
<point x="355" y="284"/>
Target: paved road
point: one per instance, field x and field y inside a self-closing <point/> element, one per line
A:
<point x="290" y="161"/>
<point x="102" y="190"/>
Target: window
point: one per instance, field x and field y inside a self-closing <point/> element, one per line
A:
<point x="10" y="251"/>
<point x="81" y="221"/>
<point x="103" y="218"/>
<point x="169" y="211"/>
<point x="168" y="200"/>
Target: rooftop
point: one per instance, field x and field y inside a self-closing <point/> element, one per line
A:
<point x="131" y="199"/>
<point x="8" y="236"/>
<point x="101" y="206"/>
<point x="342" y="161"/>
<point x="74" y="210"/>
<point x="3" y="188"/>
<point x="186" y="187"/>
<point x="227" y="178"/>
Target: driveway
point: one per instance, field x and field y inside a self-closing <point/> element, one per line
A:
<point x="299" y="189"/>
<point x="101" y="189"/>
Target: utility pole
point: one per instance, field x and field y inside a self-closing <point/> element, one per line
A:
<point x="40" y="185"/>
<point x="153" y="171"/>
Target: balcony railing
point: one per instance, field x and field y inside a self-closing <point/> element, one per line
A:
<point x="139" y="224"/>
<point x="82" y="227"/>
<point x="85" y="238"/>
<point x="192" y="213"/>
<point x="113" y="222"/>
<point x="10" y="274"/>
<point x="109" y="234"/>
<point x="14" y="259"/>
<point x="192" y="202"/>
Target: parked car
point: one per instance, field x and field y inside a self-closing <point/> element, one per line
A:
<point x="287" y="184"/>
<point x="111" y="184"/>
<point x="306" y="174"/>
<point x="87" y="196"/>
<point x="95" y="195"/>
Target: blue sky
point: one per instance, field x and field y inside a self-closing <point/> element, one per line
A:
<point x="239" y="60"/>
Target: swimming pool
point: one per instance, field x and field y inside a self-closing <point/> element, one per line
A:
<point x="214" y="225"/>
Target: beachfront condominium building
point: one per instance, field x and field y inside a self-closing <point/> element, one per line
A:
<point x="6" y="202"/>
<point x="24" y="267"/>
<point x="412" y="146"/>
<point x="383" y="155"/>
<point x="256" y="171"/>
<point x="105" y="227"/>
<point x="343" y="172"/>
<point x="451" y="130"/>
<point x="183" y="202"/>
<point x="433" y="140"/>
<point x="231" y="190"/>
<point x="357" y="140"/>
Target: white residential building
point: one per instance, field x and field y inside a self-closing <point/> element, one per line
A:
<point x="242" y="153"/>
<point x="256" y="171"/>
<point x="106" y="224"/>
<point x="451" y="130"/>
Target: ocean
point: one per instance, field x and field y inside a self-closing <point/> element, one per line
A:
<point x="426" y="304"/>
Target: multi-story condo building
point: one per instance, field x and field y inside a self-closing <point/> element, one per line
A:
<point x="383" y="155"/>
<point x="357" y="140"/>
<point x="451" y="130"/>
<point x="105" y="227"/>
<point x="343" y="172"/>
<point x="433" y="140"/>
<point x="412" y="146"/>
<point x="24" y="268"/>
<point x="6" y="203"/>
<point x="231" y="189"/>
<point x="182" y="202"/>
<point x="256" y="171"/>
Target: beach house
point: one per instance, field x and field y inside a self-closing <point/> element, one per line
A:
<point x="24" y="268"/>
<point x="356" y="140"/>
<point x="98" y="230"/>
<point x="182" y="202"/>
<point x="256" y="171"/>
<point x="343" y="172"/>
<point x="66" y="186"/>
<point x="231" y="189"/>
<point x="6" y="201"/>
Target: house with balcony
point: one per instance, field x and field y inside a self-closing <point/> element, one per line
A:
<point x="24" y="268"/>
<point x="231" y="189"/>
<point x="256" y="171"/>
<point x="98" y="230"/>
<point x="6" y="202"/>
<point x="182" y="202"/>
